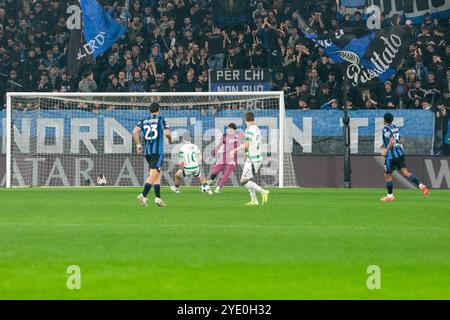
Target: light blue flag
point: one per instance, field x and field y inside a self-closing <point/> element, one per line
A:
<point x="100" y="30"/>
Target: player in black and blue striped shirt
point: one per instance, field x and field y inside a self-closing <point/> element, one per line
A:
<point x="155" y="129"/>
<point x="395" y="158"/>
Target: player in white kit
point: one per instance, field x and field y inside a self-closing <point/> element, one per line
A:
<point x="253" y="161"/>
<point x="189" y="161"/>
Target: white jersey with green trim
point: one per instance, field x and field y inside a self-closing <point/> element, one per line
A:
<point x="190" y="155"/>
<point x="253" y="135"/>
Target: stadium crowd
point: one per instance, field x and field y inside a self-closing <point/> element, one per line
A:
<point x="170" y="45"/>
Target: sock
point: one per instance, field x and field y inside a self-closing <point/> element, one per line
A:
<point x="254" y="186"/>
<point x="252" y="192"/>
<point x="157" y="190"/>
<point x="147" y="188"/>
<point x="253" y="196"/>
<point x="390" y="187"/>
<point x="414" y="179"/>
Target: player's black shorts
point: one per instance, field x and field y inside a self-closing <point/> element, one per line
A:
<point x="397" y="163"/>
<point x="155" y="161"/>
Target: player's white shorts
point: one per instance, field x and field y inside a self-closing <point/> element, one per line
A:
<point x="250" y="169"/>
<point x="192" y="172"/>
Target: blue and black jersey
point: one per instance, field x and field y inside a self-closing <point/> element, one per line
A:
<point x="153" y="128"/>
<point x="391" y="131"/>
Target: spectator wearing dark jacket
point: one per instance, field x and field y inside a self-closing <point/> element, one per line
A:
<point x="324" y="97"/>
<point x="43" y="84"/>
<point x="137" y="84"/>
<point x="190" y="84"/>
<point x="302" y="96"/>
<point x="66" y="84"/>
<point x="315" y="88"/>
<point x="54" y="78"/>
<point x="368" y="100"/>
<point x="13" y="83"/>
<point x="334" y="85"/>
<point x="433" y="88"/>
<point x="388" y="97"/>
<point x="115" y="86"/>
<point x="416" y="93"/>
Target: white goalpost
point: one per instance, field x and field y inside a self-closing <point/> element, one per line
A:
<point x="69" y="139"/>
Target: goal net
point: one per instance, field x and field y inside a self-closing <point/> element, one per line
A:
<point x="66" y="139"/>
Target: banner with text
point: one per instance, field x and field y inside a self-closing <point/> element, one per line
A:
<point x="229" y="80"/>
<point x="367" y="57"/>
<point x="367" y="172"/>
<point x="414" y="10"/>
<point x="72" y="147"/>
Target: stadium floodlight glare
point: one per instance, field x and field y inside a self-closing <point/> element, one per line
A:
<point x="69" y="139"/>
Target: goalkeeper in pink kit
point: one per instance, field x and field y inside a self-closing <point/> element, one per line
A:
<point x="227" y="162"/>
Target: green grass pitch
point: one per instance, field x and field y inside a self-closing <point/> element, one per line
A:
<point x="305" y="244"/>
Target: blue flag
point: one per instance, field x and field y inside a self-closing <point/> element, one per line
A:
<point x="367" y="57"/>
<point x="100" y="30"/>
